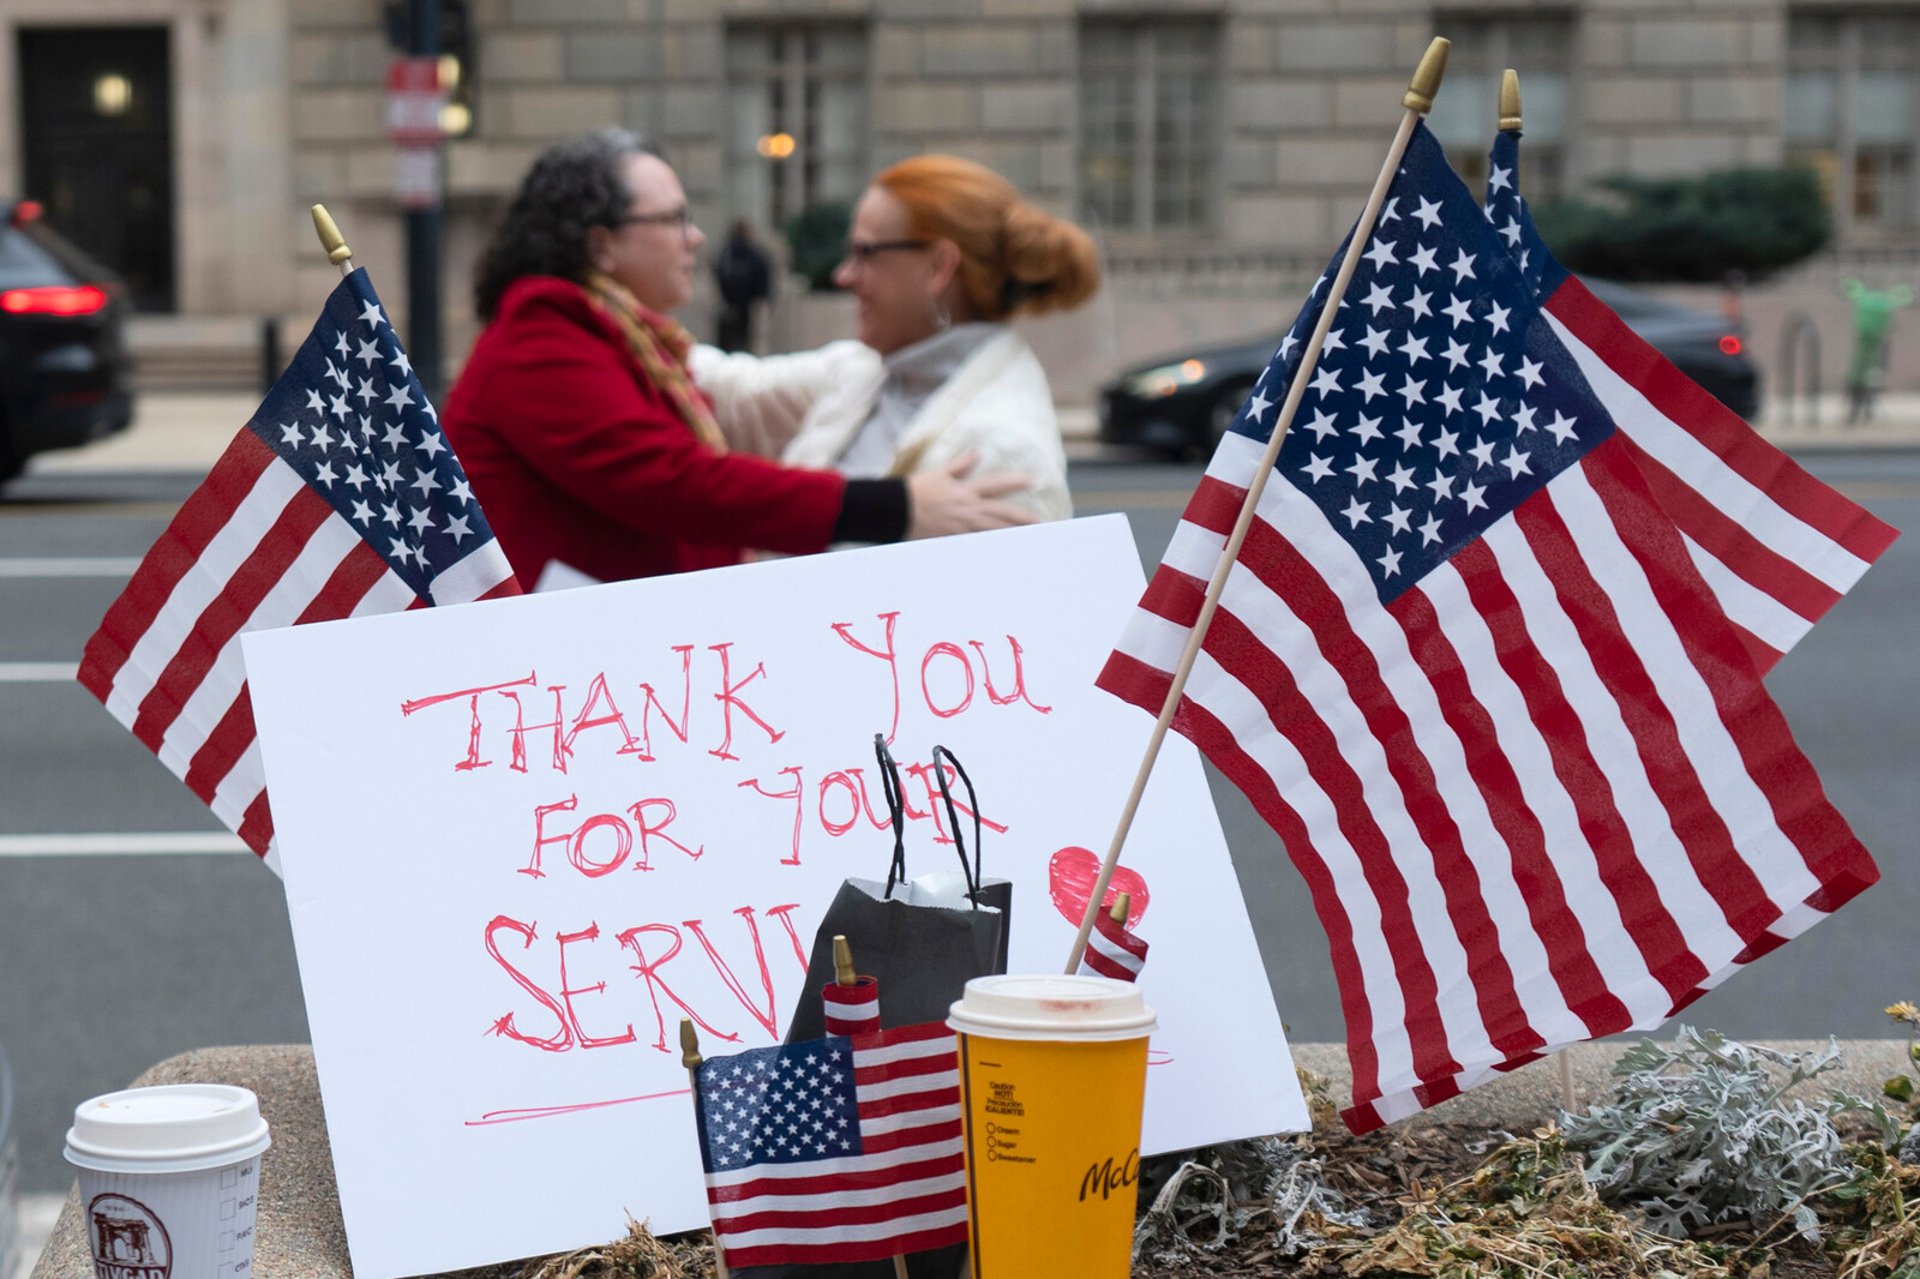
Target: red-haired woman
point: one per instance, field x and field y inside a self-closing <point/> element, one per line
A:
<point x="942" y="254"/>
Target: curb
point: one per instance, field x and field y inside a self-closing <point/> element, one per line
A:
<point x="188" y="430"/>
<point x="299" y="1234"/>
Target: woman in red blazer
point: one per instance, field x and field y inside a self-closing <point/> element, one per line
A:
<point x="580" y="429"/>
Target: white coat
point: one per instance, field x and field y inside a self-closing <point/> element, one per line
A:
<point x="806" y="408"/>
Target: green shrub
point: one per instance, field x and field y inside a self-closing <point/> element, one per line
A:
<point x="1754" y="221"/>
<point x="817" y="236"/>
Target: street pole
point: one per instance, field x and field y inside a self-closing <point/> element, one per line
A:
<point x="423" y="231"/>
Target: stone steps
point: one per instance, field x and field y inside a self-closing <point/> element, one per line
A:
<point x="197" y="353"/>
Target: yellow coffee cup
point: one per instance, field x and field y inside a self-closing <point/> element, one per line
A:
<point x="1053" y="1070"/>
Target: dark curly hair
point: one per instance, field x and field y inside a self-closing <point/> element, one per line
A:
<point x="574" y="185"/>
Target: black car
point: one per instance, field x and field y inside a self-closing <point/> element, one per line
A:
<point x="64" y="371"/>
<point x="1184" y="403"/>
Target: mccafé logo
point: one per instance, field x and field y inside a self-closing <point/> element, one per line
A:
<point x="129" y="1241"/>
<point x="1105" y="1178"/>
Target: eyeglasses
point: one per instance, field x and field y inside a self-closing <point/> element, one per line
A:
<point x="866" y="250"/>
<point x="680" y="217"/>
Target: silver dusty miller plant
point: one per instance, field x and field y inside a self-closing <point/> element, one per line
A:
<point x="1698" y="1131"/>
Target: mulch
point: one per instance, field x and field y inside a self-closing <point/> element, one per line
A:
<point x="1383" y="1172"/>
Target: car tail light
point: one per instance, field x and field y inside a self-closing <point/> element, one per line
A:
<point x="26" y="213"/>
<point x="1731" y="344"/>
<point x="82" y="299"/>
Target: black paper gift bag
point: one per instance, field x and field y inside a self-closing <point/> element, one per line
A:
<point x="922" y="955"/>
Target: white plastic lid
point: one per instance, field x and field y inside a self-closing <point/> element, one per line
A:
<point x="1051" y="1006"/>
<point x="167" y="1128"/>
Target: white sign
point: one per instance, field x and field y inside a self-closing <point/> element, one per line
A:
<point x="523" y="839"/>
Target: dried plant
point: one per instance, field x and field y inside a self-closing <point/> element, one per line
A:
<point x="1527" y="1211"/>
<point x="1226" y="1192"/>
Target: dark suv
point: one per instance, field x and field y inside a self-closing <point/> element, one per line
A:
<point x="64" y="370"/>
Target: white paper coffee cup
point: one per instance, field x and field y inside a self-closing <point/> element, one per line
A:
<point x="169" y="1180"/>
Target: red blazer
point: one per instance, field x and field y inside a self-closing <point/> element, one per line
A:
<point x="575" y="456"/>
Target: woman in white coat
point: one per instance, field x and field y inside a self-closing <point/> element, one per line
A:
<point x="942" y="254"/>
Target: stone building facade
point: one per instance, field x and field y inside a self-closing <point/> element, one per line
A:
<point x="1215" y="147"/>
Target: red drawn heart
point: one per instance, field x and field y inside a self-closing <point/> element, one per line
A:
<point x="1071" y="875"/>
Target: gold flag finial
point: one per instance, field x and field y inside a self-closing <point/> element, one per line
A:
<point x="330" y="238"/>
<point x="1509" y="100"/>
<point x="1118" y="912"/>
<point x="843" y="974"/>
<point x="1427" y="77"/>
<point x="689" y="1044"/>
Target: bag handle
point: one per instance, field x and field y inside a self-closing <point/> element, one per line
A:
<point x="890" y="786"/>
<point x="953" y="819"/>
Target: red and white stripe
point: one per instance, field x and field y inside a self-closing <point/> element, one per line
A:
<point x="252" y="549"/>
<point x="905" y="1192"/>
<point x="852" y="1010"/>
<point x="1777" y="547"/>
<point x="1112" y="951"/>
<point x="1535" y="798"/>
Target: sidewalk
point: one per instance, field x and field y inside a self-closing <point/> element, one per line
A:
<point x="186" y="431"/>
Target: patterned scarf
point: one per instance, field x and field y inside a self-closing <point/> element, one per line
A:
<point x="662" y="347"/>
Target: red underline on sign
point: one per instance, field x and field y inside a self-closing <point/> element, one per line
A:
<point x="548" y="1112"/>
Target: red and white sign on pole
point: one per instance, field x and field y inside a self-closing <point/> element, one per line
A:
<point x="415" y="99"/>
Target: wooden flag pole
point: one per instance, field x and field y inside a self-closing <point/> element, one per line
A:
<point x="1510" y="122"/>
<point x="332" y="241"/>
<point x="1417" y="100"/>
<point x="690" y="1057"/>
<point x="844" y="975"/>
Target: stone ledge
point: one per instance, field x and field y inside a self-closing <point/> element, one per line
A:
<point x="299" y="1234"/>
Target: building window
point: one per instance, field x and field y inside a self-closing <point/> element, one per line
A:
<point x="1149" y="100"/>
<point x="797" y="117"/>
<point x="1467" y="112"/>
<point x="1853" y="113"/>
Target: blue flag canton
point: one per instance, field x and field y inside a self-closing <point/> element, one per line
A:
<point x="352" y="419"/>
<point x="1442" y="399"/>
<point x="1513" y="222"/>
<point x="792" y="1103"/>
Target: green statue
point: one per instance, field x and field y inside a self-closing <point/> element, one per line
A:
<point x="1873" y="311"/>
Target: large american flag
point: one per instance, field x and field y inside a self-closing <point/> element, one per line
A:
<point x="1777" y="547"/>
<point x="834" y="1149"/>
<point x="1466" y="669"/>
<point x="339" y="498"/>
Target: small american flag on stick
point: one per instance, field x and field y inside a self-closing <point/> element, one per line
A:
<point x="850" y="1003"/>
<point x="834" y="1149"/>
<point x="339" y="498"/>
<point x="1112" y="950"/>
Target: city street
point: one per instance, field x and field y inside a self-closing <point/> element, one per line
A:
<point x="135" y="928"/>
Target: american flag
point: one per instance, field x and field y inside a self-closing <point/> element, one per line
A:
<point x="339" y="498"/>
<point x="851" y="1010"/>
<point x="1465" y="668"/>
<point x="1776" y="546"/>
<point x="1112" y="950"/>
<point x="834" y="1149"/>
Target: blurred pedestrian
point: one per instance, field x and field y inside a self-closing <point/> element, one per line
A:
<point x="582" y="432"/>
<point x="745" y="279"/>
<point x="1873" y="311"/>
<point x="943" y="255"/>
